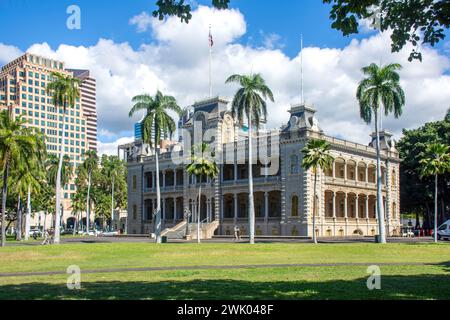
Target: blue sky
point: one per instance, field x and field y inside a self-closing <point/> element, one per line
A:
<point x="263" y="32"/>
<point x="44" y="21"/>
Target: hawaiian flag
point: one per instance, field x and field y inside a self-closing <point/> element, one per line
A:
<point x="211" y="41"/>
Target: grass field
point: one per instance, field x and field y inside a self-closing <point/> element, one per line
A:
<point x="428" y="281"/>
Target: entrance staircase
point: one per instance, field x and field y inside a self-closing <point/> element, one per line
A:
<point x="207" y="230"/>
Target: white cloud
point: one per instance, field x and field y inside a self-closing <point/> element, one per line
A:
<point x="111" y="148"/>
<point x="8" y="53"/>
<point x="177" y="63"/>
<point x="142" y="21"/>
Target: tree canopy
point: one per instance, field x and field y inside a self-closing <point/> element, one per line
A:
<point x="416" y="194"/>
<point x="416" y="22"/>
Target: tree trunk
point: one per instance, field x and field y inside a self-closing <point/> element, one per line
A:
<point x="435" y="208"/>
<point x="45" y="222"/>
<point x="112" y="206"/>
<point x="314" y="207"/>
<point x="4" y="195"/>
<point x="28" y="216"/>
<point x="88" y="204"/>
<point x="199" y="210"/>
<point x="380" y="209"/>
<point x="158" y="200"/>
<point x="58" y="181"/>
<point x="19" y="219"/>
<point x="251" y="213"/>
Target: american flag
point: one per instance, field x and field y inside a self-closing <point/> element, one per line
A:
<point x="211" y="41"/>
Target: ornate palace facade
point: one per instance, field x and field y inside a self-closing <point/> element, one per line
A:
<point x="283" y="191"/>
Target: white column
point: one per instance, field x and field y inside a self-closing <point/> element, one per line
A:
<point x="356" y="172"/>
<point x="356" y="207"/>
<point x="235" y="197"/>
<point x="334" y="205"/>
<point x="345" y="206"/>
<point x="174" y="178"/>
<point x="174" y="210"/>
<point x="266" y="207"/>
<point x="367" y="207"/>
<point x="367" y="173"/>
<point x="345" y="171"/>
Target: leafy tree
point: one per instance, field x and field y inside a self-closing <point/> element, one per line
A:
<point x="435" y="161"/>
<point x="416" y="21"/>
<point x="78" y="206"/>
<point x="416" y="192"/>
<point x="316" y="156"/>
<point x="114" y="172"/>
<point x="65" y="93"/>
<point x="28" y="180"/>
<point x="380" y="89"/>
<point x="202" y="165"/>
<point x="17" y="148"/>
<point x="156" y="124"/>
<point x="180" y="9"/>
<point x="249" y="101"/>
<point x="87" y="169"/>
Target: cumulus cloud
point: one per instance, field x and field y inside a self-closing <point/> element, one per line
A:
<point x="142" y="21"/>
<point x="176" y="62"/>
<point x="111" y="147"/>
<point x="8" y="53"/>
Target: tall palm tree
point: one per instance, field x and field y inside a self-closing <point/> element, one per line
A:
<point x="34" y="176"/>
<point x="28" y="181"/>
<point x="53" y="172"/>
<point x="113" y="168"/>
<point x="89" y="165"/>
<point x="78" y="206"/>
<point x="202" y="165"/>
<point x="157" y="123"/>
<point x="65" y="93"/>
<point x="250" y="102"/>
<point x="316" y="156"/>
<point x="17" y="148"/>
<point x="380" y="89"/>
<point x="435" y="161"/>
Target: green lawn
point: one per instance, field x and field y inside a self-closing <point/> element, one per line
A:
<point x="431" y="281"/>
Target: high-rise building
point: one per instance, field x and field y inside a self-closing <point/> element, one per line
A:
<point x="88" y="104"/>
<point x="23" y="84"/>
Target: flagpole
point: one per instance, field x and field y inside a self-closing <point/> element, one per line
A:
<point x="301" y="67"/>
<point x="210" y="62"/>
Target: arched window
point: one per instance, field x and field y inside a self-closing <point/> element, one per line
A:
<point x="294" y="164"/>
<point x="294" y="206"/>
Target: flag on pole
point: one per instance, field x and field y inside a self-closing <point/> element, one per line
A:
<point x="211" y="41"/>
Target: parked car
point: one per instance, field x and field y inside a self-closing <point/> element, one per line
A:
<point x="444" y="231"/>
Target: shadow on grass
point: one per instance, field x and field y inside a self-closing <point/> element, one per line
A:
<point x="393" y="287"/>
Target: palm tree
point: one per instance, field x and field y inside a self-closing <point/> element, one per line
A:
<point x="65" y="92"/>
<point x="17" y="148"/>
<point x="64" y="173"/>
<point x="34" y="176"/>
<point x="380" y="89"/>
<point x="202" y="165"/>
<point x="89" y="165"/>
<point x="316" y="155"/>
<point x="435" y="161"/>
<point x="28" y="181"/>
<point x="78" y="206"/>
<point x="157" y="123"/>
<point x="249" y="101"/>
<point x="113" y="168"/>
